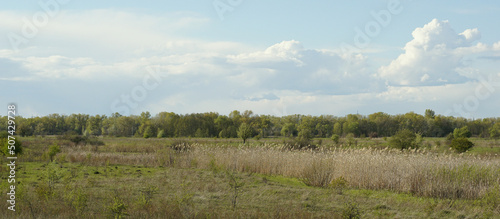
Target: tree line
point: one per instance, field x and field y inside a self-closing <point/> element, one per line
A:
<point x="211" y="124"/>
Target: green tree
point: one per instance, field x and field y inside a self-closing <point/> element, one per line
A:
<point x="148" y="132"/>
<point x="53" y="150"/>
<point x="25" y="127"/>
<point x="337" y="128"/>
<point x="494" y="131"/>
<point x="429" y="114"/>
<point x="262" y="124"/>
<point x="414" y="122"/>
<point x="161" y="134"/>
<point x="305" y="134"/>
<point x="404" y="139"/>
<point x="94" y="125"/>
<point x="245" y="131"/>
<point x="352" y="125"/>
<point x="462" y="132"/>
<point x="288" y="130"/>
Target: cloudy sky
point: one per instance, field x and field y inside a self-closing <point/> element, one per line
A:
<point x="273" y="57"/>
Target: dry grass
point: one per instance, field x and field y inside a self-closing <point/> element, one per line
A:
<point x="417" y="172"/>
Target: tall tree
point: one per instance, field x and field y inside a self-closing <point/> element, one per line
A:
<point x="245" y="131"/>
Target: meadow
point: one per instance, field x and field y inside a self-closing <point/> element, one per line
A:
<point x="224" y="178"/>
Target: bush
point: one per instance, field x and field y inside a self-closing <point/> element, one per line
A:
<point x="404" y="139"/>
<point x="73" y="137"/>
<point x="350" y="140"/>
<point x="118" y="208"/>
<point x="335" y="138"/>
<point x="339" y="184"/>
<point x="461" y="145"/>
<point x="4" y="142"/>
<point x="351" y="210"/>
<point x="76" y="139"/>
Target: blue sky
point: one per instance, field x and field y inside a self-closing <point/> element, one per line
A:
<point x="277" y="58"/>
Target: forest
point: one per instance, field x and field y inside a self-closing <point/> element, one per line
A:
<point x="211" y="124"/>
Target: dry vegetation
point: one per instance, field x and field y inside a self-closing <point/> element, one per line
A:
<point x="413" y="171"/>
<point x="224" y="180"/>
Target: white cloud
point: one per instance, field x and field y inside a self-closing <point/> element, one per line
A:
<point x="281" y="52"/>
<point x="471" y="35"/>
<point x="433" y="56"/>
<point x="496" y="46"/>
<point x="113" y="35"/>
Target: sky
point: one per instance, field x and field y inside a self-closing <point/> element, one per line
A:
<point x="274" y="58"/>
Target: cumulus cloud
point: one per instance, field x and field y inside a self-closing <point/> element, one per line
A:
<point x="496" y="46"/>
<point x="433" y="56"/>
<point x="288" y="65"/>
<point x="281" y="52"/>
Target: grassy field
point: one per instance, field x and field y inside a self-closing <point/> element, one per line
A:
<point x="221" y="178"/>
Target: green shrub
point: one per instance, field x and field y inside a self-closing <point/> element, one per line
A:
<point x="76" y="139"/>
<point x="117" y="208"/>
<point x="4" y="145"/>
<point x="404" y="139"/>
<point x="147" y="194"/>
<point x="78" y="199"/>
<point x="461" y="145"/>
<point x="351" y="211"/>
<point x="339" y="185"/>
<point x="350" y="140"/>
<point x="335" y="138"/>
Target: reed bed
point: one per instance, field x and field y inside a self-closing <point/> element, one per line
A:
<point x="412" y="171"/>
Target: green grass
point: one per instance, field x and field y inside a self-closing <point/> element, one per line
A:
<point x="280" y="180"/>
